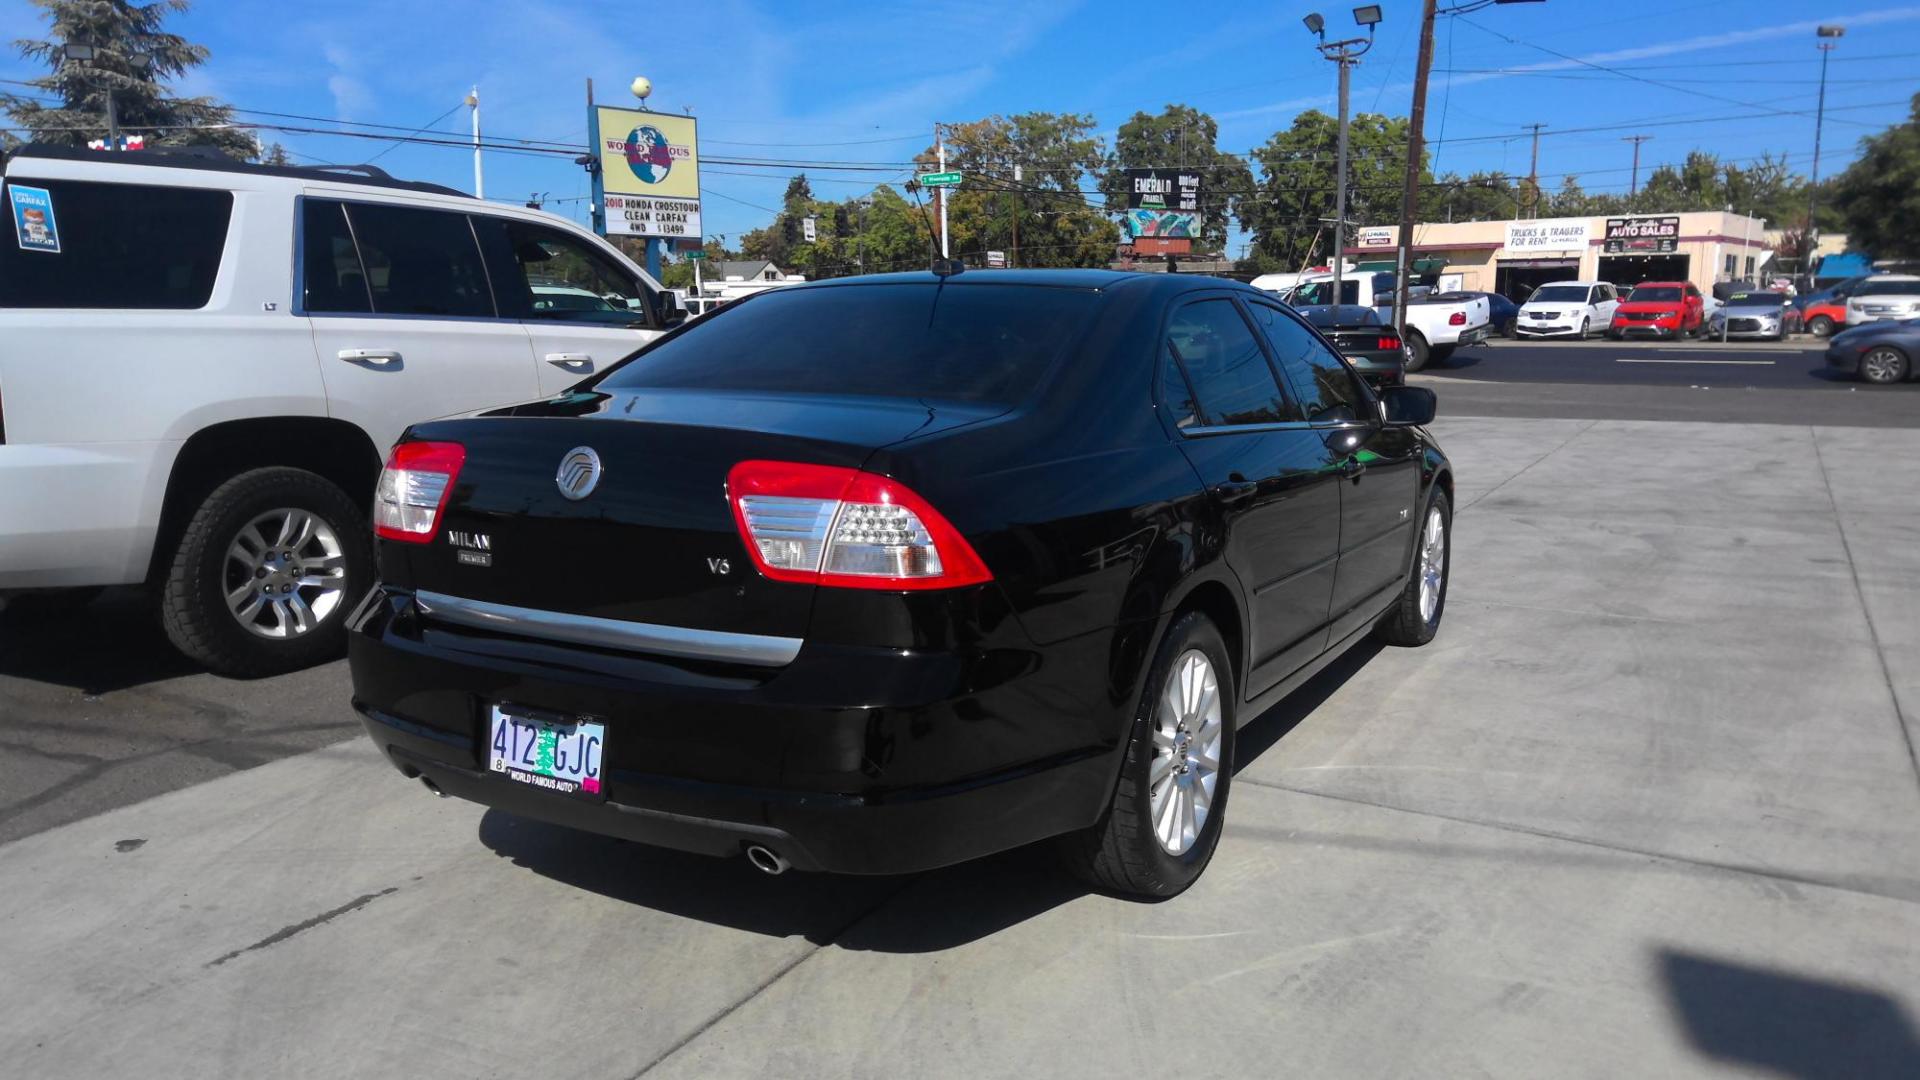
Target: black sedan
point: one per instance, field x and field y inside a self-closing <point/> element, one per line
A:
<point x="1878" y="352"/>
<point x="881" y="574"/>
<point x="1372" y="346"/>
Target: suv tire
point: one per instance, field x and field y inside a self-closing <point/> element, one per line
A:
<point x="315" y="572"/>
<point x="1820" y="326"/>
<point x="1124" y="852"/>
<point x="1413" y="620"/>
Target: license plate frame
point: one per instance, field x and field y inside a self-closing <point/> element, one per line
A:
<point x="561" y="753"/>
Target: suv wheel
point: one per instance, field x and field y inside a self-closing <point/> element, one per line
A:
<point x="265" y="573"/>
<point x="1415" y="617"/>
<point x="1820" y="326"/>
<point x="1168" y="807"/>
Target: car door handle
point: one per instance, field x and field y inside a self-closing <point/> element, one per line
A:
<point x="1235" y="490"/>
<point x="379" y="358"/>
<point x="1352" y="468"/>
<point x="572" y="361"/>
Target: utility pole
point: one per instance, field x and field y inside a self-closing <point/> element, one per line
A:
<point x="1019" y="207"/>
<point x="597" y="207"/>
<point x="940" y="193"/>
<point x="1820" y="119"/>
<point x="1416" y="150"/>
<point x="1345" y="53"/>
<point x="1533" y="172"/>
<point x="1636" y="140"/>
<point x="479" y="184"/>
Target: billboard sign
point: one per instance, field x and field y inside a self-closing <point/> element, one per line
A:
<point x="1642" y="235"/>
<point x="1163" y="224"/>
<point x="1558" y="234"/>
<point x="1163" y="189"/>
<point x="1153" y="245"/>
<point x="650" y="172"/>
<point x="1375" y="237"/>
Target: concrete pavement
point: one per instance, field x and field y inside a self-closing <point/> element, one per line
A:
<point x="1648" y="806"/>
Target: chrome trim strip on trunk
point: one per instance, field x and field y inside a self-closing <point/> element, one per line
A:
<point x="686" y="642"/>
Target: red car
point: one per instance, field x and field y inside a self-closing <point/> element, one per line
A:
<point x="1660" y="309"/>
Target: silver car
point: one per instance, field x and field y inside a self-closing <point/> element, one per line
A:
<point x="1759" y="314"/>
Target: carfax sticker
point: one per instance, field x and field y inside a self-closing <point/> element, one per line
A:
<point x="33" y="220"/>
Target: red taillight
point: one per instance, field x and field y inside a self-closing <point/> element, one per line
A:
<point x="1458" y="318"/>
<point x="414" y="488"/>
<point x="830" y="525"/>
<point x="1387" y="343"/>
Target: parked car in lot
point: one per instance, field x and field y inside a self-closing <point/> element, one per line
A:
<point x="1567" y="308"/>
<point x="1824" y="312"/>
<point x="973" y="562"/>
<point x="1659" y="309"/>
<point x="1878" y="352"/>
<point x="1886" y="296"/>
<point x="203" y="363"/>
<point x="1371" y="345"/>
<point x="1437" y="323"/>
<point x="1760" y="314"/>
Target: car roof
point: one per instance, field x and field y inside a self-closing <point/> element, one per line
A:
<point x="1094" y="280"/>
<point x="1664" y="284"/>
<point x="1578" y="284"/>
<point x="209" y="159"/>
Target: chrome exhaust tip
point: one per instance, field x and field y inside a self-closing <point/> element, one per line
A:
<point x="766" y="860"/>
<point x="433" y="787"/>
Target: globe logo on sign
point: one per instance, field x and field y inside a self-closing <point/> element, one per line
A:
<point x="648" y="154"/>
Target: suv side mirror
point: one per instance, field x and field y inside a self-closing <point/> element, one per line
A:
<point x="667" y="309"/>
<point x="1408" y="406"/>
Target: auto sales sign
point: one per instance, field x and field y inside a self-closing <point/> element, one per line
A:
<point x="650" y="172"/>
<point x="1643" y="235"/>
<point x="1559" y="234"/>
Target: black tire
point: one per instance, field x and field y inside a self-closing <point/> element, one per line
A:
<point x="1820" y="326"/>
<point x="1417" y="351"/>
<point x="1614" y="335"/>
<point x="1121" y="853"/>
<point x="1508" y="328"/>
<point x="1893" y="366"/>
<point x="1586" y="329"/>
<point x="193" y="605"/>
<point x="1404" y="623"/>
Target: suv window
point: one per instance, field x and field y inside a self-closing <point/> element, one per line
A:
<point x="562" y="278"/>
<point x="1327" y="388"/>
<point x="1223" y="363"/>
<point x="953" y="342"/>
<point x="331" y="277"/>
<point x="420" y="262"/>
<point x="1884" y="287"/>
<point x="118" y="246"/>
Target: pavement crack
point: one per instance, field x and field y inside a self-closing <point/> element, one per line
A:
<point x="321" y="919"/>
<point x="1860" y="595"/>
<point x="1563" y="445"/>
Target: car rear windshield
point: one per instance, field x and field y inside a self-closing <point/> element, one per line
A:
<point x="1884" y="287"/>
<point x="1666" y="294"/>
<point x="1561" y="294"/>
<point x="1344" y="315"/>
<point x="955" y="342"/>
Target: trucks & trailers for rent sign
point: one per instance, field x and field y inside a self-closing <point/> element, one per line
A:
<point x="1559" y="234"/>
<point x="650" y="172"/>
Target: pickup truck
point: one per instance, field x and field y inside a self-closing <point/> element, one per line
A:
<point x="1437" y="323"/>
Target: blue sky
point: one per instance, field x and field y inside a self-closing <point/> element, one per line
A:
<point x="864" y="83"/>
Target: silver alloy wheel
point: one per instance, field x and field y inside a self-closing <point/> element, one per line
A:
<point x="285" y="574"/>
<point x="1882" y="365"/>
<point x="1433" y="563"/>
<point x="1187" y="735"/>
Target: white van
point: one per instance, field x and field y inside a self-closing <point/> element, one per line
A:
<point x="203" y="364"/>
<point x="1580" y="309"/>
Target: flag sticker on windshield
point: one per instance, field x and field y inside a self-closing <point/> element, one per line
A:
<point x="33" y="220"/>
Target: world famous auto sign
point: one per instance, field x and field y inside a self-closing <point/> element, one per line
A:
<point x="650" y="173"/>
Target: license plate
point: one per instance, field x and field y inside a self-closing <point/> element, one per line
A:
<point x="546" y="750"/>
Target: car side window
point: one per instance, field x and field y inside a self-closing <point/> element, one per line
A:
<point x="1230" y="379"/>
<point x="1325" y="384"/>
<point x="1176" y="393"/>
<point x="80" y="244"/>
<point x="420" y="262"/>
<point x="331" y="277"/>
<point x="561" y="278"/>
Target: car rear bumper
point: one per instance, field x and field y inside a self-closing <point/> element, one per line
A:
<point x="863" y="761"/>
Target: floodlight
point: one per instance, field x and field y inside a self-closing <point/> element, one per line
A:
<point x="77" y="52"/>
<point x="1833" y="31"/>
<point x="1315" y="25"/>
<point x="1367" y="15"/>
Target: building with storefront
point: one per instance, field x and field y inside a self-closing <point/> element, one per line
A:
<point x="1515" y="257"/>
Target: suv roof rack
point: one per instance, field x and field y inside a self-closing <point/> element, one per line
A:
<point x="214" y="159"/>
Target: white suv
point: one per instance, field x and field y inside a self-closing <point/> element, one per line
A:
<point x="203" y="364"/>
<point x="1886" y="296"/>
<point x="1579" y="308"/>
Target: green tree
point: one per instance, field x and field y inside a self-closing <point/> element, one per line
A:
<point x="1180" y="137"/>
<point x="1043" y="218"/>
<point x="118" y="32"/>
<point x="1878" y="196"/>
<point x="1295" y="193"/>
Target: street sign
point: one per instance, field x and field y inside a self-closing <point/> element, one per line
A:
<point x="697" y="253"/>
<point x="996" y="260"/>
<point x="807" y="229"/>
<point x="940" y="179"/>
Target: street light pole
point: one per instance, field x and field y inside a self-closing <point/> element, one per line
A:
<point x="1820" y="118"/>
<point x="479" y="184"/>
<point x="1345" y="53"/>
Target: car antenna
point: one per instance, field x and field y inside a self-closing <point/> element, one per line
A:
<point x="944" y="268"/>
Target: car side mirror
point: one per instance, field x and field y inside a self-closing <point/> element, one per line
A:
<point x="668" y="311"/>
<point x="1408" y="406"/>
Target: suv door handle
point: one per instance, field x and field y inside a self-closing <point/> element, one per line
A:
<point x="1235" y="490"/>
<point x="572" y="361"/>
<point x="375" y="357"/>
<point x="1352" y="468"/>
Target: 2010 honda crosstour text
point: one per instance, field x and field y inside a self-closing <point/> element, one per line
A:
<point x="881" y="574"/>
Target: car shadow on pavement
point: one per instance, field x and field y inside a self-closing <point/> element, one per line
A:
<point x="923" y="912"/>
<point x="1270" y="727"/>
<point x="1788" y="1025"/>
<point x="112" y="642"/>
